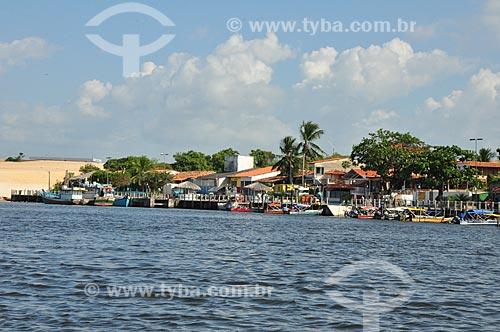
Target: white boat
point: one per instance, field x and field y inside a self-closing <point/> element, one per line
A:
<point x="67" y="196"/>
<point x="477" y="218"/>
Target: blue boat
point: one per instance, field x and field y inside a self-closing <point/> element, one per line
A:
<point x="124" y="201"/>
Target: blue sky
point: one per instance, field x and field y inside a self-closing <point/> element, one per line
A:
<point x="210" y="88"/>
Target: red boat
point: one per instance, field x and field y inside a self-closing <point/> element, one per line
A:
<point x="242" y="207"/>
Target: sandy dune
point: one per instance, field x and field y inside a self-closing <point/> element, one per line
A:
<point x="34" y="175"/>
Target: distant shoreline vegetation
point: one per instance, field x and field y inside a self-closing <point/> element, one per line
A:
<point x="20" y="157"/>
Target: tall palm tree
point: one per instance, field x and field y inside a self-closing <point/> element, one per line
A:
<point x="140" y="167"/>
<point x="309" y="132"/>
<point x="289" y="162"/>
<point x="485" y="154"/>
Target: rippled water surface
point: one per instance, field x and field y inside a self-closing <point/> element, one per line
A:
<point x="50" y="254"/>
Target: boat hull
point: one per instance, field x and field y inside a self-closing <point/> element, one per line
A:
<point x="58" y="201"/>
<point x="306" y="212"/>
<point x="123" y="202"/>
<point x="107" y="201"/>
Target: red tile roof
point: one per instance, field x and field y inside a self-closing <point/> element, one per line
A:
<point x="182" y="176"/>
<point x="483" y="164"/>
<point x="253" y="172"/>
<point x="367" y="174"/>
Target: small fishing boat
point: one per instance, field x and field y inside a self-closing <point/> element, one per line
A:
<point x="122" y="201"/>
<point x="241" y="207"/>
<point x="477" y="218"/>
<point x="301" y="209"/>
<point x="67" y="196"/>
<point x="105" y="196"/>
<point x="423" y="215"/>
<point x="273" y="208"/>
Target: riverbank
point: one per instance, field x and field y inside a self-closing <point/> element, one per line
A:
<point x="34" y="175"/>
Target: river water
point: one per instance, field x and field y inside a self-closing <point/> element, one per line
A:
<point x="65" y="268"/>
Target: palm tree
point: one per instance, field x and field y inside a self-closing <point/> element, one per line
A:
<point x="485" y="155"/>
<point x="141" y="165"/>
<point x="289" y="162"/>
<point x="309" y="132"/>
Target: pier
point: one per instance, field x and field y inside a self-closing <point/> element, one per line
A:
<point x="213" y="202"/>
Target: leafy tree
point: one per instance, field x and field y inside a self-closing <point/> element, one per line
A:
<point x="192" y="161"/>
<point x="139" y="170"/>
<point x="485" y="155"/>
<point x="309" y="132"/>
<point x="218" y="158"/>
<point x="288" y="165"/>
<point x="156" y="180"/>
<point x="262" y="158"/>
<point x="390" y="154"/>
<point x="87" y="168"/>
<point x="438" y="168"/>
<point x="346" y="164"/>
<point x="498" y="151"/>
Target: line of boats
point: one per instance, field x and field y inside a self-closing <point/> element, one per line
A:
<point x="272" y="208"/>
<point x="99" y="195"/>
<point x="413" y="214"/>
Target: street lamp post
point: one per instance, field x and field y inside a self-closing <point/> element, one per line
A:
<point x="475" y="146"/>
<point x="164" y="156"/>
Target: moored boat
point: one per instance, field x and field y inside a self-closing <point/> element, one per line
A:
<point x="122" y="201"/>
<point x="105" y="196"/>
<point x="422" y="215"/>
<point x="477" y="218"/>
<point x="67" y="196"/>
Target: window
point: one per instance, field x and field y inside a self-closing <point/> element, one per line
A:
<point x="320" y="170"/>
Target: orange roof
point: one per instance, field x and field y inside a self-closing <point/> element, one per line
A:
<point x="367" y="174"/>
<point x="182" y="176"/>
<point x="253" y="172"/>
<point x="483" y="164"/>
<point x="327" y="160"/>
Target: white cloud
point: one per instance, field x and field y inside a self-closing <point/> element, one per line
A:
<point x="491" y="15"/>
<point x="376" y="119"/>
<point x="224" y="99"/>
<point x="377" y="72"/>
<point x="91" y="92"/>
<point x="464" y="113"/>
<point x="19" y="52"/>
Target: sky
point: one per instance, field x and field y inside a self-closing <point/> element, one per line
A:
<point x="222" y="82"/>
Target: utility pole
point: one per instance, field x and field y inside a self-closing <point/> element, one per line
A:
<point x="164" y="156"/>
<point x="475" y="148"/>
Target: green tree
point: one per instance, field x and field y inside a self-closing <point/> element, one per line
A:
<point x="262" y="158"/>
<point x="217" y="159"/>
<point x="437" y="167"/>
<point x="391" y="154"/>
<point x="192" y="161"/>
<point x="309" y="132"/>
<point x="87" y="168"/>
<point x="156" y="180"/>
<point x="20" y="157"/>
<point x="485" y="155"/>
<point x="139" y="169"/>
<point x="346" y="164"/>
<point x="288" y="165"/>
